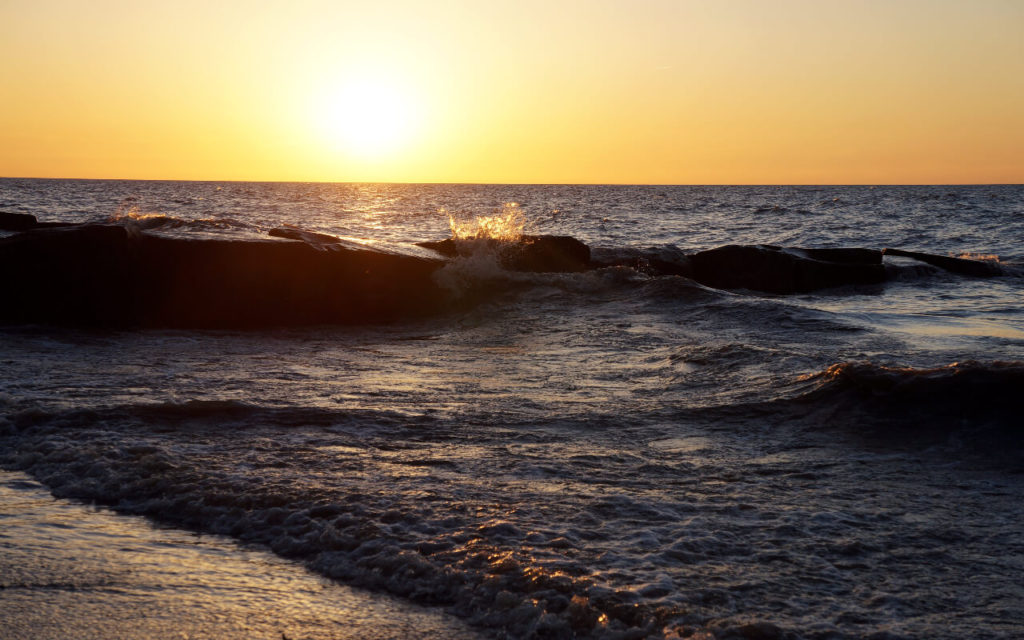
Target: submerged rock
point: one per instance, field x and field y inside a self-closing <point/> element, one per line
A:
<point x="103" y="275"/>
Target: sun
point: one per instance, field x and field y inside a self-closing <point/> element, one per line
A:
<point x="369" y="117"/>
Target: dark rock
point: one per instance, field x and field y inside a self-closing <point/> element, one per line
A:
<point x="774" y="270"/>
<point x="962" y="266"/>
<point x="653" y="261"/>
<point x="670" y="261"/>
<point x="16" y="221"/>
<point x="531" y="253"/>
<point x="844" y="255"/>
<point x="26" y="221"/>
<point x="548" y="253"/>
<point x="309" y="237"/>
<point x="102" y="275"/>
<point x="674" y="266"/>
<point x="446" y="247"/>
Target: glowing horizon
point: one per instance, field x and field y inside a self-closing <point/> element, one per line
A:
<point x="650" y="92"/>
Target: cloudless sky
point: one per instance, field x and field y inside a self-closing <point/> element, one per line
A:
<point x="589" y="91"/>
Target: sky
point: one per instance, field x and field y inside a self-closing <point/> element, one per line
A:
<point x="552" y="91"/>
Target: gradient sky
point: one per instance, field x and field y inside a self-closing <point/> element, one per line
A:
<point x="552" y="91"/>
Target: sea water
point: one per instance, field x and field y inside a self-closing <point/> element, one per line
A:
<point x="597" y="454"/>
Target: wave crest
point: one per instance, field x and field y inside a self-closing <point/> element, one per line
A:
<point x="991" y="377"/>
<point x="135" y="219"/>
<point x="981" y="402"/>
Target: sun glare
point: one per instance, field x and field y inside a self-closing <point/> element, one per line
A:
<point x="369" y="117"/>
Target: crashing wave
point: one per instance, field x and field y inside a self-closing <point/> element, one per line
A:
<point x="133" y="218"/>
<point x="973" y="399"/>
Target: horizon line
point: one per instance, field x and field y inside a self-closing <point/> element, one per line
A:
<point x="551" y="184"/>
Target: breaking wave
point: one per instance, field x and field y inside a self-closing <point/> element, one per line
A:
<point x="132" y="218"/>
<point x="982" y="384"/>
<point x="409" y="541"/>
<point x="978" y="403"/>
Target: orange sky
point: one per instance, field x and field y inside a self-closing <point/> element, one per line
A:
<point x="595" y="91"/>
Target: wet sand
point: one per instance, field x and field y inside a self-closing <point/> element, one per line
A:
<point x="68" y="570"/>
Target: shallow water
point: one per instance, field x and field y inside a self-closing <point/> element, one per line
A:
<point x="69" y="570"/>
<point x="606" y="453"/>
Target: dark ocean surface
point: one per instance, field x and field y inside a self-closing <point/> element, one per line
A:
<point x="602" y="454"/>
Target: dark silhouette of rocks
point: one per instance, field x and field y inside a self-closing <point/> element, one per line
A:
<point x="841" y="255"/>
<point x="114" y="275"/>
<point x="776" y="270"/>
<point x="102" y="275"/>
<point x="309" y="237"/>
<point x="25" y="221"/>
<point x="16" y="221"/>
<point x="537" y="254"/>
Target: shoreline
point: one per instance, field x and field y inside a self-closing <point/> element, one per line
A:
<point x="71" y="570"/>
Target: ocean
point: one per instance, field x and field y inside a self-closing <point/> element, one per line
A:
<point x="610" y="453"/>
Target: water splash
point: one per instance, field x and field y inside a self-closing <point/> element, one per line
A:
<point x="481" y="241"/>
<point x="984" y="257"/>
<point x="137" y="220"/>
<point x="505" y="225"/>
<point x="129" y="211"/>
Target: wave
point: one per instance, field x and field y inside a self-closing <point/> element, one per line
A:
<point x="198" y="414"/>
<point x="978" y="403"/>
<point x="982" y="268"/>
<point x="771" y="208"/>
<point x="357" y="504"/>
<point x="133" y="219"/>
<point x="985" y="382"/>
<point x="266" y="488"/>
<point x="968" y="411"/>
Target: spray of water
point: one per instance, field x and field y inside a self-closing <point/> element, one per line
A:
<point x="985" y="257"/>
<point x="482" y="240"/>
<point x="129" y="211"/>
<point x="505" y="225"/>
